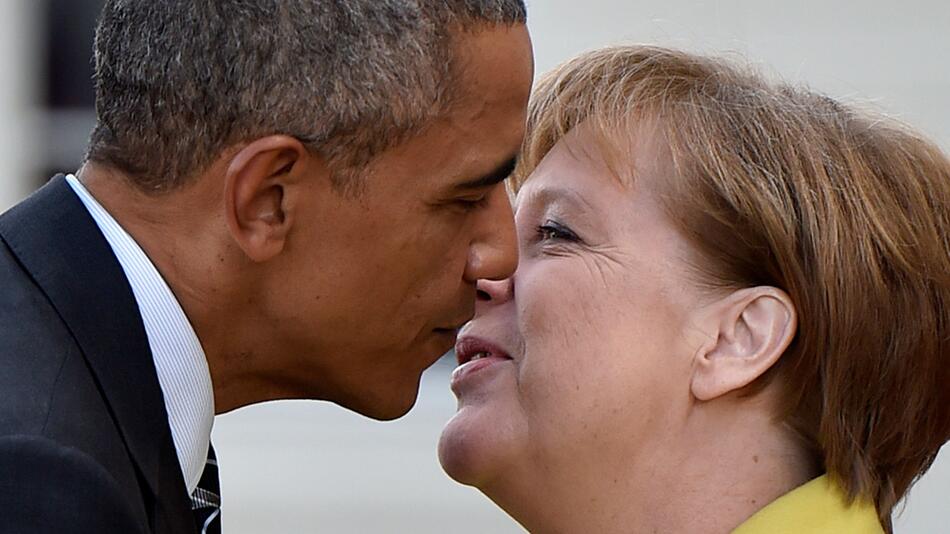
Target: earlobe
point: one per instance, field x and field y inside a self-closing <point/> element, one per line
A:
<point x="259" y="185"/>
<point x="751" y="329"/>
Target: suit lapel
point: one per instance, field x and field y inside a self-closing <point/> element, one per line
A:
<point x="59" y="244"/>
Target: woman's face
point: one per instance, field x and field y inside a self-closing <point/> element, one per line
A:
<point x="583" y="357"/>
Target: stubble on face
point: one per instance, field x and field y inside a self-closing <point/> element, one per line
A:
<point x="387" y="274"/>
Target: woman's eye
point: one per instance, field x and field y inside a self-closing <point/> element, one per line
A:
<point x="552" y="231"/>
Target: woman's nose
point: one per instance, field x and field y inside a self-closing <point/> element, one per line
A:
<point x="494" y="292"/>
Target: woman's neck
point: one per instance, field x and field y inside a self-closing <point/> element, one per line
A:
<point x="709" y="478"/>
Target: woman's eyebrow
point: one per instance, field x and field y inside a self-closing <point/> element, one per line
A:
<point x="561" y="195"/>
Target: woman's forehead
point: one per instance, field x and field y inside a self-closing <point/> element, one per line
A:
<point x="594" y="152"/>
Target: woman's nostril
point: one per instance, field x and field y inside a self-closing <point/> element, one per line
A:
<point x="481" y="294"/>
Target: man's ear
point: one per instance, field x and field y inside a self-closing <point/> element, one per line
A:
<point x="750" y="330"/>
<point x="259" y="184"/>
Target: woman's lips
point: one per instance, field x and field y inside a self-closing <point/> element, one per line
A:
<point x="474" y="356"/>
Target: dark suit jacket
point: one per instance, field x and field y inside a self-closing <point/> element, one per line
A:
<point x="85" y="445"/>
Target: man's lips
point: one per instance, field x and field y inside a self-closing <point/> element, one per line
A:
<point x="455" y="326"/>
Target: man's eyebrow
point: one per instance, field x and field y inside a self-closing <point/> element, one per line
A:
<point x="496" y="176"/>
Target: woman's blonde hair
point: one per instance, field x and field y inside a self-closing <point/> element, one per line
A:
<point x="847" y="213"/>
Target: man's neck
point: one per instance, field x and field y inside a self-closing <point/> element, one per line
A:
<point x="182" y="236"/>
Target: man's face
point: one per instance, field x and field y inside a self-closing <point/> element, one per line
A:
<point x="375" y="285"/>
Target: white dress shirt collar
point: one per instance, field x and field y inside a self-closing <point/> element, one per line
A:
<point x="180" y="361"/>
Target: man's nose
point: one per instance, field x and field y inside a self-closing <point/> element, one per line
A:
<point x="493" y="254"/>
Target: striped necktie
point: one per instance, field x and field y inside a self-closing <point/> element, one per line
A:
<point x="206" y="500"/>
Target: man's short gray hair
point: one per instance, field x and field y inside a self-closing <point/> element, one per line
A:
<point x="178" y="81"/>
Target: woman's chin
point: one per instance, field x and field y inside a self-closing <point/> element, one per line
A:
<point x="473" y="446"/>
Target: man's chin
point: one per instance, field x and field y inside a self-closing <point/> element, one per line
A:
<point x="384" y="406"/>
<point x="389" y="412"/>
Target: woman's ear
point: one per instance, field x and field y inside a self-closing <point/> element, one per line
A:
<point x="259" y="184"/>
<point x="751" y="329"/>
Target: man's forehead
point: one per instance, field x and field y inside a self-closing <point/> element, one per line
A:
<point x="494" y="64"/>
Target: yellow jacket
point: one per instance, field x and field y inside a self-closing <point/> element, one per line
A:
<point x="817" y="507"/>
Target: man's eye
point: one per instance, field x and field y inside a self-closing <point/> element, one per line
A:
<point x="472" y="203"/>
<point x="552" y="231"/>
